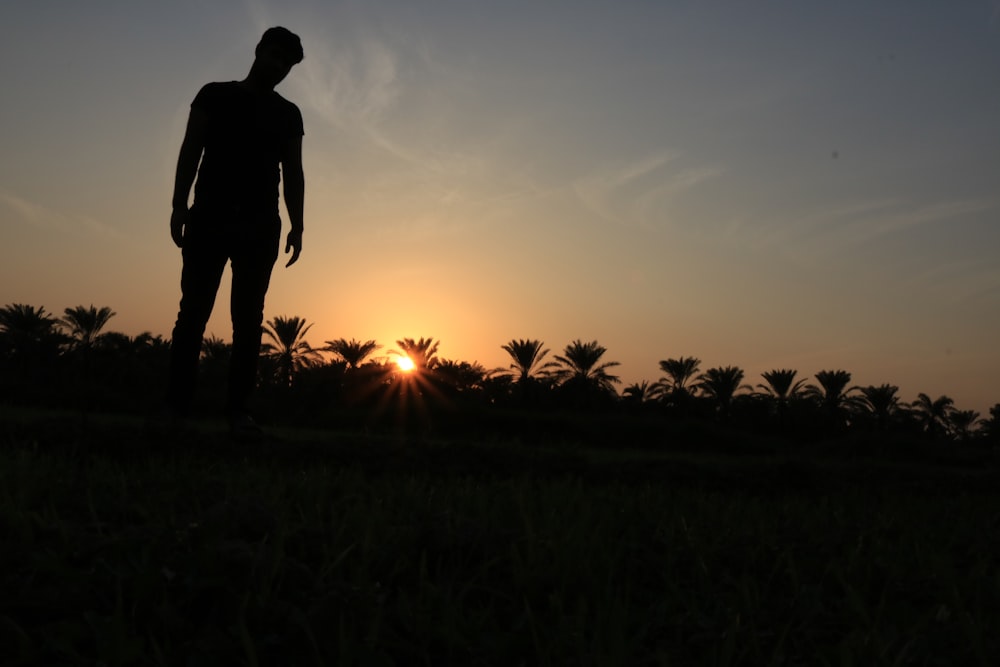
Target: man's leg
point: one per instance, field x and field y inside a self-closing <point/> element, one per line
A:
<point x="204" y="262"/>
<point x="252" y="264"/>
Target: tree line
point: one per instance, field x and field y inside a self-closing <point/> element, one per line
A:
<point x="74" y="361"/>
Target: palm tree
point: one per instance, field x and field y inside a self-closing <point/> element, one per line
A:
<point x="410" y="394"/>
<point x="289" y="350"/>
<point x="638" y="394"/>
<point x="124" y="367"/>
<point x="148" y="351"/>
<point x="962" y="423"/>
<point x="116" y="343"/>
<point x="214" y="350"/>
<point x="352" y="352"/>
<point x="152" y="353"/>
<point x="882" y="402"/>
<point x="528" y="373"/>
<point x="782" y="385"/>
<point x="675" y="385"/>
<point x="580" y="368"/>
<point x="460" y="377"/>
<point x="933" y="414"/>
<point x="781" y="388"/>
<point x="423" y="353"/>
<point x="720" y="385"/>
<point x="146" y="342"/>
<point x="23" y="329"/>
<point x="30" y="342"/>
<point x="215" y="356"/>
<point x="527" y="356"/>
<point x="84" y="325"/>
<point x="833" y="395"/>
<point x="991" y="426"/>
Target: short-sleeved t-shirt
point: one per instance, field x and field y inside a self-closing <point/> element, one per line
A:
<point x="246" y="135"/>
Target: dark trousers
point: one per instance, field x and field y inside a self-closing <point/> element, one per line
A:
<point x="210" y="241"/>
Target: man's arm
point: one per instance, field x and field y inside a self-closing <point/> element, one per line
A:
<point x="295" y="193"/>
<point x="187" y="168"/>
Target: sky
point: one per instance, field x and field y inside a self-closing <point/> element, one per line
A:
<point x="770" y="184"/>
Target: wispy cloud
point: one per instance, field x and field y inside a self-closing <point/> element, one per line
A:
<point x="356" y="85"/>
<point x="839" y="228"/>
<point x="351" y="75"/>
<point x="387" y="105"/>
<point x="793" y="229"/>
<point x="635" y="192"/>
<point x="867" y="228"/>
<point x="44" y="217"/>
<point x="350" y="85"/>
<point x="25" y="210"/>
<point x="961" y="281"/>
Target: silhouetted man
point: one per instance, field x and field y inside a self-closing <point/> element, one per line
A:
<point x="247" y="139"/>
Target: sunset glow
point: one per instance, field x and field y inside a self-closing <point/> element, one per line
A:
<point x="404" y="363"/>
<point x="769" y="185"/>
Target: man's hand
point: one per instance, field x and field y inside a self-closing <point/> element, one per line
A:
<point x="179" y="220"/>
<point x="293" y="244"/>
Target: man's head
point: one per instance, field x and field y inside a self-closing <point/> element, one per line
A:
<point x="283" y="43"/>
<point x="278" y="50"/>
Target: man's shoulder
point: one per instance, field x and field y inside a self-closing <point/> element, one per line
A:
<point x="215" y="89"/>
<point x="285" y="102"/>
<point x="290" y="111"/>
<point x="224" y="86"/>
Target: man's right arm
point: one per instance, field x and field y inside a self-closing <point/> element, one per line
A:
<point x="187" y="168"/>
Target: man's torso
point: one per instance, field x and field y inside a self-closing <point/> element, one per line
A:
<point x="246" y="137"/>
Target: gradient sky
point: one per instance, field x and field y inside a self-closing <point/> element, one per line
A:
<point x="768" y="184"/>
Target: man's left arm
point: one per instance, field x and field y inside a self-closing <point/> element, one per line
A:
<point x="294" y="182"/>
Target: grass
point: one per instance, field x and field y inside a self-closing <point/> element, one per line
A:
<point x="122" y="548"/>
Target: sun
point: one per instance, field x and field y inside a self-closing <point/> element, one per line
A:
<point x="405" y="363"/>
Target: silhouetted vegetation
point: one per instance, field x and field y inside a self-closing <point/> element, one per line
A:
<point x="74" y="362"/>
<point x="449" y="514"/>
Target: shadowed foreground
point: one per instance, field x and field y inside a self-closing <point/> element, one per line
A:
<point x="126" y="548"/>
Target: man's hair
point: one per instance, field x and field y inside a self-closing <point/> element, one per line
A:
<point x="286" y="42"/>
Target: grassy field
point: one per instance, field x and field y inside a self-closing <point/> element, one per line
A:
<point x="121" y="547"/>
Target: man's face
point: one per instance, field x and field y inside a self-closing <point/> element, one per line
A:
<point x="273" y="64"/>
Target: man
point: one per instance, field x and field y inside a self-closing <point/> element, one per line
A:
<point x="242" y="140"/>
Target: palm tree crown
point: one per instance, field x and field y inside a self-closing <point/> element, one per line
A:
<point x="289" y="349"/>
<point x="580" y="362"/>
<point x="638" y="393"/>
<point x="781" y="384"/>
<point x="527" y="356"/>
<point x="963" y="423"/>
<point x="423" y="352"/>
<point x="833" y="392"/>
<point x="84" y="325"/>
<point x="460" y="376"/>
<point x="23" y="327"/>
<point x="882" y="401"/>
<point x="934" y="413"/>
<point x="679" y="374"/>
<point x="721" y="384"/>
<point x="352" y="352"/>
<point x="215" y="350"/>
<point x="18" y="317"/>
